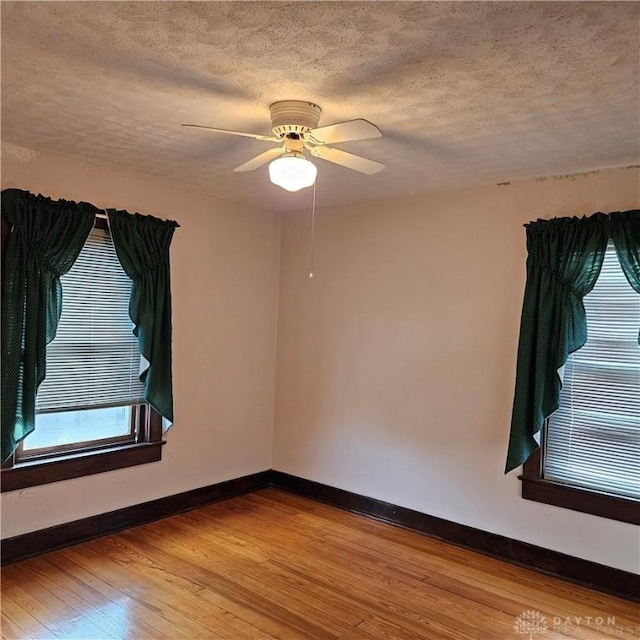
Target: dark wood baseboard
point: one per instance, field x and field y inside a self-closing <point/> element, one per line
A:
<point x="64" y="535"/>
<point x="584" y="572"/>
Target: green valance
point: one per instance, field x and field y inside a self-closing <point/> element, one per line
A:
<point x="565" y="256"/>
<point x="44" y="241"/>
<point x="625" y="232"/>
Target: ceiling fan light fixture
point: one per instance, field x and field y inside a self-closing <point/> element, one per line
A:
<point x="292" y="171"/>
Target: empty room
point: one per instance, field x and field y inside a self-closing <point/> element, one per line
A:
<point x="320" y="320"/>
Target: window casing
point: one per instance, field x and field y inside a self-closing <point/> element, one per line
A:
<point x="92" y="375"/>
<point x="589" y="459"/>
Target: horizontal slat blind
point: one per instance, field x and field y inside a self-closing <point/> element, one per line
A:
<point x="593" y="439"/>
<point x="94" y="360"/>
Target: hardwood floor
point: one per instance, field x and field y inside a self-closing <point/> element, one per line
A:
<point x="273" y="565"/>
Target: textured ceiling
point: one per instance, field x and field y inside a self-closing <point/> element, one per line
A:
<point x="465" y="93"/>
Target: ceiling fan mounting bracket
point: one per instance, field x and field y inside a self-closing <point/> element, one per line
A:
<point x="293" y="116"/>
<point x="293" y="142"/>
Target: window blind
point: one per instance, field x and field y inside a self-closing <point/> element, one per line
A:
<point x="94" y="360"/>
<point x="593" y="439"/>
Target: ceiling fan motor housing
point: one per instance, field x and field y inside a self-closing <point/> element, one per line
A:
<point x="293" y="116"/>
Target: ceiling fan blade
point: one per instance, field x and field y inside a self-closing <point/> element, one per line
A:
<point x="349" y="160"/>
<point x="255" y="136"/>
<point x="343" y="132"/>
<point x="261" y="159"/>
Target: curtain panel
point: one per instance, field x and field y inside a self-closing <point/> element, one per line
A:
<point x="142" y="244"/>
<point x="45" y="239"/>
<point x="565" y="256"/>
<point x="625" y="232"/>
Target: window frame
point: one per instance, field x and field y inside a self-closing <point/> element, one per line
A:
<point x="537" y="488"/>
<point x="79" y="463"/>
<point x="19" y="474"/>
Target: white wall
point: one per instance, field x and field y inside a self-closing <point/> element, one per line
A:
<point x="396" y="362"/>
<point x="224" y="260"/>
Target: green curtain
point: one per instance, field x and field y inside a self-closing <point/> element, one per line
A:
<point x="564" y="260"/>
<point x="45" y="239"/>
<point x="625" y="232"/>
<point x="142" y="244"/>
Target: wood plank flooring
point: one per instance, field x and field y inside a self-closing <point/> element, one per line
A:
<point x="272" y="565"/>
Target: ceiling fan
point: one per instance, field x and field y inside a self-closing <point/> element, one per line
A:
<point x="294" y="124"/>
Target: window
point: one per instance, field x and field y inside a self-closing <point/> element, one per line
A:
<point x="590" y="454"/>
<point x="91" y="415"/>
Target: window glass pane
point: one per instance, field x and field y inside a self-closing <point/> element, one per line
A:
<point x="70" y="427"/>
<point x="593" y="439"/>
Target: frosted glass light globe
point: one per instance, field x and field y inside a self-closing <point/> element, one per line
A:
<point x="292" y="171"/>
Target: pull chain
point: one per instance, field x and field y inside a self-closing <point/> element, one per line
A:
<point x="313" y="230"/>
